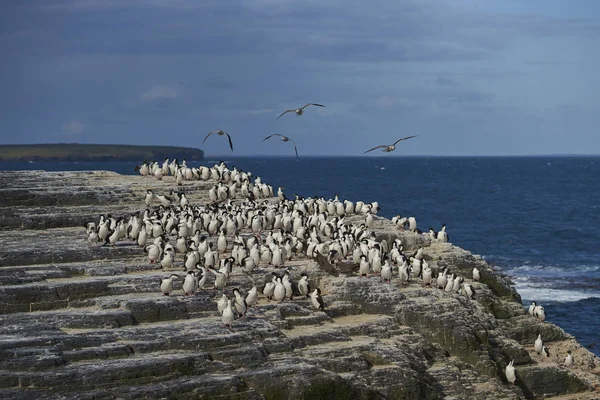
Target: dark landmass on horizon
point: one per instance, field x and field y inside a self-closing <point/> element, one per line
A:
<point x="95" y="152"/>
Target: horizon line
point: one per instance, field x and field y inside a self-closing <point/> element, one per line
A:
<point x="402" y="156"/>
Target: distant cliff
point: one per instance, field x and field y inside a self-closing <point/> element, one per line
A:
<point x="95" y="152"/>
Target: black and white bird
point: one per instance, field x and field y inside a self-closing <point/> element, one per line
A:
<point x="539" y="344"/>
<point x="284" y="139"/>
<point x="166" y="284"/>
<point x="317" y="300"/>
<point x="569" y="359"/>
<point x="300" y="111"/>
<point x="303" y="285"/>
<point x="545" y="351"/>
<point x="390" y="147"/>
<point x="220" y="133"/>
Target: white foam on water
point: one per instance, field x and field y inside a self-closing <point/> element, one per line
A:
<point x="542" y="283"/>
<point x="552" y="271"/>
<point x="535" y="292"/>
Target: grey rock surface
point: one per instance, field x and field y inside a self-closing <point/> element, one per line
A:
<point x="87" y="322"/>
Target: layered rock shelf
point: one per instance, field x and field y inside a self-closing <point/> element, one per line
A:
<point x="90" y="322"/>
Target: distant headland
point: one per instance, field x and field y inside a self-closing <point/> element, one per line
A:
<point x="95" y="152"/>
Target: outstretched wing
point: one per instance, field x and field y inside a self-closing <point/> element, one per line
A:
<point x="275" y="134"/>
<point x="229" y="137"/>
<point x="286" y="111"/>
<point x="312" y="104"/>
<point x="209" y="133"/>
<point x="375" y="148"/>
<point x="295" y="149"/>
<point x="404" y="138"/>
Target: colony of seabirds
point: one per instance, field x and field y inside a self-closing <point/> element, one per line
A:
<point x="257" y="227"/>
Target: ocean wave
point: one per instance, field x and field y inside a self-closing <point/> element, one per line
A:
<point x="536" y="268"/>
<point x="539" y="270"/>
<point x="537" y="282"/>
<point x="543" y="294"/>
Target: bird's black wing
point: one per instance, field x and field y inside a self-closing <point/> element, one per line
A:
<point x="295" y="149"/>
<point x="404" y="138"/>
<point x="321" y="303"/>
<point x="209" y="133"/>
<point x="375" y="148"/>
<point x="270" y="136"/>
<point x="312" y="104"/>
<point x="229" y="138"/>
<point x="286" y="111"/>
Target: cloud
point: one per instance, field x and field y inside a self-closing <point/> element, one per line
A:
<point x="415" y="65"/>
<point x="74" y="127"/>
<point x="160" y="92"/>
<point x="261" y="111"/>
<point x="443" y="81"/>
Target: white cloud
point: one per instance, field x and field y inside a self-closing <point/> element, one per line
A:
<point x="160" y="92"/>
<point x="74" y="127"/>
<point x="261" y="111"/>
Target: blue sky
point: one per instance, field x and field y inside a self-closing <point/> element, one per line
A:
<point x="470" y="77"/>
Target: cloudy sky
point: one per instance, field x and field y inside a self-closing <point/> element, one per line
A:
<point x="470" y="77"/>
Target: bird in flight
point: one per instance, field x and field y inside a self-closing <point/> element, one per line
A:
<point x="390" y="147"/>
<point x="284" y="139"/>
<point x="220" y="133"/>
<point x="300" y="111"/>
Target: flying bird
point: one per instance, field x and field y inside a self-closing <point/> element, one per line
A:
<point x="284" y="139"/>
<point x="220" y="133"/>
<point x="390" y="147"/>
<point x="300" y="111"/>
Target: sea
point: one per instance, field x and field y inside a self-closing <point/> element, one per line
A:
<point x="535" y="219"/>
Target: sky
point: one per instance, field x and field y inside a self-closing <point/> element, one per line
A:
<point x="469" y="77"/>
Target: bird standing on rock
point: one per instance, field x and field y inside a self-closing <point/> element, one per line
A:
<point x="317" y="300"/>
<point x="222" y="303"/>
<point x="532" y="308"/>
<point x="386" y="271"/>
<point x="442" y="235"/>
<point x="303" y="285"/>
<point x="569" y="359"/>
<point x="252" y="297"/>
<point x="228" y="316"/>
<point x="92" y="236"/>
<point x="269" y="288"/>
<point x="166" y="284"/>
<point x="539" y="313"/>
<point x="279" y="292"/>
<point x="240" y="303"/>
<point x="510" y="373"/>
<point x="539" y="344"/>
<point x="190" y="283"/>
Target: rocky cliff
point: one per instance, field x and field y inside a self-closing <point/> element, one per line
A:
<point x="81" y="321"/>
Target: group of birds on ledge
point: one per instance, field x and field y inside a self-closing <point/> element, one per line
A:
<point x="258" y="227"/>
<point x="246" y="226"/>
<point x="540" y="348"/>
<point x="299" y="111"/>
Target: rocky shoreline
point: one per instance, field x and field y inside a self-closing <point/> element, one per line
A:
<point x="80" y="321"/>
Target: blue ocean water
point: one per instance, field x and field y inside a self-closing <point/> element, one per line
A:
<point x="535" y="219"/>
